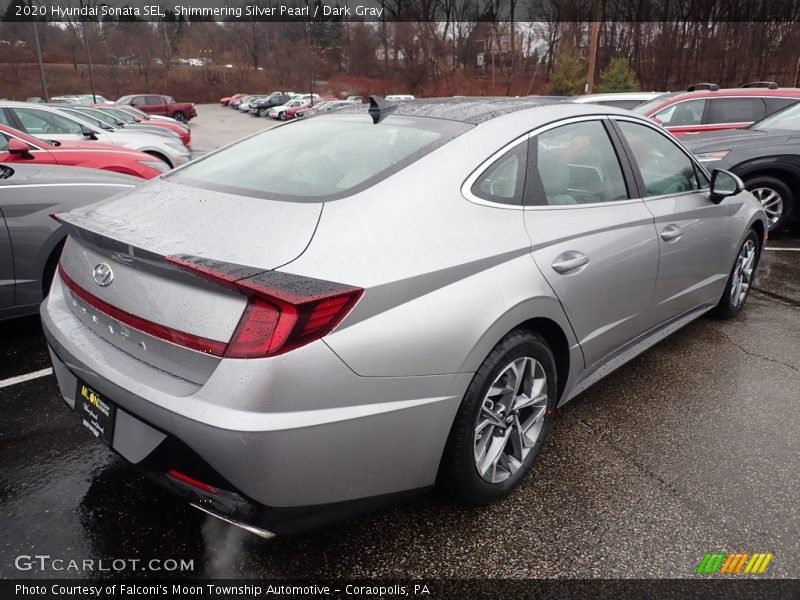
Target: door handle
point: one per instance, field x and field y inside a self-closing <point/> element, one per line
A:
<point x="671" y="233"/>
<point x="569" y="261"/>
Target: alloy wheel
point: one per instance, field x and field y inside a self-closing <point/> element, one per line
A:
<point x="771" y="202"/>
<point x="511" y="419"/>
<point x="743" y="273"/>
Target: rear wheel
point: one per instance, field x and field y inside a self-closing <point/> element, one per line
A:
<point x="775" y="196"/>
<point x="262" y="112"/>
<point x="502" y="422"/>
<point x="179" y="116"/>
<point x="741" y="278"/>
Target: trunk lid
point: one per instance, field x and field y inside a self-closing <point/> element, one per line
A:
<point x="133" y="234"/>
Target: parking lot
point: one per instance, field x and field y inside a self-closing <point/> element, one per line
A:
<point x="692" y="447"/>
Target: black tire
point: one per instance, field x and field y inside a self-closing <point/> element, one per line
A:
<point x="458" y="473"/>
<point x="262" y="112"/>
<point x="765" y="182"/>
<point x="50" y="268"/>
<point x="726" y="308"/>
<point x="282" y="116"/>
<point x="179" y="116"/>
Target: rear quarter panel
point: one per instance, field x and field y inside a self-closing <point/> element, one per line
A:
<point x="444" y="278"/>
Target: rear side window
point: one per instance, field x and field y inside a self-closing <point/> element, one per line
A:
<point x="685" y="113"/>
<point x="776" y="104"/>
<point x="503" y="182"/>
<point x="320" y="159"/>
<point x="736" y="110"/>
<point x="152" y="100"/>
<point x="577" y="164"/>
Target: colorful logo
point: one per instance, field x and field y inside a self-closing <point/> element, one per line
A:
<point x="734" y="563"/>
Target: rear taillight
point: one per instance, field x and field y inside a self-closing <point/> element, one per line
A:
<point x="284" y="311"/>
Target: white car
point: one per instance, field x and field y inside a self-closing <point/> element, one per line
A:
<point x="54" y="124"/>
<point x="279" y="112"/>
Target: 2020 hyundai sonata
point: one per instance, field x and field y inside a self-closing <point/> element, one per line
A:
<point x="407" y="305"/>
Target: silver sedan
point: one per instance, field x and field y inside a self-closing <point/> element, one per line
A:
<point x="404" y="303"/>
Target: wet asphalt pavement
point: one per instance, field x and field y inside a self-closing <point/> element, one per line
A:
<point x="692" y="447"/>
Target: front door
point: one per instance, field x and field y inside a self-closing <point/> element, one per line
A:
<point x="694" y="233"/>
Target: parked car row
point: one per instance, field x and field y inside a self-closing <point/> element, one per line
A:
<point x="56" y="123"/>
<point x="285" y="106"/>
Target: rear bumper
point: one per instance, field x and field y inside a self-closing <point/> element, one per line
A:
<point x="298" y="450"/>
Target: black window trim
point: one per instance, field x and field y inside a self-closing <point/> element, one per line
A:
<point x="533" y="184"/>
<point x="634" y="165"/>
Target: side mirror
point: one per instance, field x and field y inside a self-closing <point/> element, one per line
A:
<point x="18" y="147"/>
<point x="724" y="184"/>
<point x="88" y="133"/>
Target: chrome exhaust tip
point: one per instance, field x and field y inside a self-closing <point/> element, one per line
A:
<point x="262" y="533"/>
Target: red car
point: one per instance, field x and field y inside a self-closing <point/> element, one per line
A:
<point x="227" y="99"/>
<point x="133" y="115"/>
<point x="716" y="109"/>
<point x="292" y="112"/>
<point x="19" y="147"/>
<point x="156" y="104"/>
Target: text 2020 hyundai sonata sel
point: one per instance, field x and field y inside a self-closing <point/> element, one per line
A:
<point x="409" y="303"/>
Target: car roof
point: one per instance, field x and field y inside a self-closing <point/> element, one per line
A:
<point x="465" y="110"/>
<point x="617" y="96"/>
<point x="727" y="93"/>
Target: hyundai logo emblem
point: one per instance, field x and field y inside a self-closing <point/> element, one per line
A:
<point x="103" y="275"/>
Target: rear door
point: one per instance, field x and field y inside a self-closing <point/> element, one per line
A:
<point x="733" y="113"/>
<point x="694" y="233"/>
<point x="593" y="239"/>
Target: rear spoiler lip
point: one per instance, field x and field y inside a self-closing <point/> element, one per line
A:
<point x="80" y="229"/>
<point x="129" y="254"/>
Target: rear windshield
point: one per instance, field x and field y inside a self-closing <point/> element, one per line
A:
<point x="323" y="158"/>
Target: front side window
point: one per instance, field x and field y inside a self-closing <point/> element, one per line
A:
<point x="37" y="122"/>
<point x="3" y="142"/>
<point x="685" y="113"/>
<point x="504" y="180"/>
<point x="664" y="167"/>
<point x="577" y="164"/>
<point x="327" y="158"/>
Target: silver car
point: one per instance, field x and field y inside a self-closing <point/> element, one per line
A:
<point x="55" y="124"/>
<point x="30" y="241"/>
<point x="406" y="302"/>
